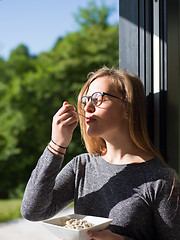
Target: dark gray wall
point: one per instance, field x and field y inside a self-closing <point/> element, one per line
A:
<point x="173" y="83"/>
<point x="136" y="55"/>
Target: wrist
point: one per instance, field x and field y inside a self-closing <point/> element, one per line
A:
<point x="56" y="150"/>
<point x="62" y="146"/>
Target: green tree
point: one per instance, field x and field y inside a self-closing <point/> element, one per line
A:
<point x="33" y="88"/>
<point x="21" y="50"/>
<point x="92" y="15"/>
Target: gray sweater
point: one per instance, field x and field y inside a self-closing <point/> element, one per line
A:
<point x="137" y="197"/>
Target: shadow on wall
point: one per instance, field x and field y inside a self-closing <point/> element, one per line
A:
<point x="157" y="120"/>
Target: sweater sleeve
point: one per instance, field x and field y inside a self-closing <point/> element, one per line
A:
<point x="46" y="193"/>
<point x="167" y="209"/>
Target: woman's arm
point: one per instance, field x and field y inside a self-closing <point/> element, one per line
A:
<point x="41" y="200"/>
<point x="167" y="209"/>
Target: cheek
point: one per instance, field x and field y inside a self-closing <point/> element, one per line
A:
<point x="115" y="115"/>
<point x="116" y="120"/>
<point x="106" y="120"/>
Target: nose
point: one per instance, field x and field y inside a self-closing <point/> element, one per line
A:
<point x="89" y="106"/>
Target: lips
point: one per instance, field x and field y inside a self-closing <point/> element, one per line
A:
<point x="89" y="120"/>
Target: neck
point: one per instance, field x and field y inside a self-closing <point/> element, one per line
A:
<point x="124" y="152"/>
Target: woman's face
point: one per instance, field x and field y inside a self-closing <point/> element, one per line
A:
<point x="108" y="119"/>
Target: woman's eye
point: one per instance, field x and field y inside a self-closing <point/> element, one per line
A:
<point x="95" y="100"/>
<point x="84" y="102"/>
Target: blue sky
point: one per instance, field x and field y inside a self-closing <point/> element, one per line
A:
<point x="38" y="23"/>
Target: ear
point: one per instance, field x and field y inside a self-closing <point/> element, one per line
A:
<point x="126" y="114"/>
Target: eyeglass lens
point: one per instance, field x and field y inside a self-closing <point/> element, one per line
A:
<point x="96" y="99"/>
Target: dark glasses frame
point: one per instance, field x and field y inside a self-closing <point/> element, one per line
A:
<point x="91" y="97"/>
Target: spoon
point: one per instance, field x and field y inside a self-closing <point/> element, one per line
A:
<point x="82" y="115"/>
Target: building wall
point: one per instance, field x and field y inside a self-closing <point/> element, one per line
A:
<point x="149" y="47"/>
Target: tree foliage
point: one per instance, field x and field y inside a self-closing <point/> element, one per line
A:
<point x="32" y="89"/>
<point x="92" y="15"/>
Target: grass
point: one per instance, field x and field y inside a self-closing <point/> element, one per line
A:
<point x="10" y="209"/>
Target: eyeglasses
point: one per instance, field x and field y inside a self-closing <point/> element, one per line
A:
<point x="96" y="99"/>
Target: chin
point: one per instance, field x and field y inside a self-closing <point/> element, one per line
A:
<point x="92" y="133"/>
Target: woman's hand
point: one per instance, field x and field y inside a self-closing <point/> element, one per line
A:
<point x="104" y="235"/>
<point x="63" y="124"/>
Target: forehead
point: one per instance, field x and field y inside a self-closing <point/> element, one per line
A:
<point x="100" y="84"/>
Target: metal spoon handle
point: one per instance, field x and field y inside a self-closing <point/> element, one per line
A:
<point x="81" y="115"/>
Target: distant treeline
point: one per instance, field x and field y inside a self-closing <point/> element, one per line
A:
<point x="32" y="88"/>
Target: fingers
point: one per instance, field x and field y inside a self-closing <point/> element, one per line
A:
<point x="67" y="118"/>
<point x="100" y="235"/>
<point x="93" y="234"/>
<point x="63" y="124"/>
<point x="66" y="115"/>
<point x="65" y="108"/>
<point x="104" y="235"/>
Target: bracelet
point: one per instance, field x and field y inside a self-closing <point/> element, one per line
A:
<point x="56" y="150"/>
<point x="58" y="145"/>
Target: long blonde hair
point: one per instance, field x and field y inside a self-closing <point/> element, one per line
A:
<point x="132" y="91"/>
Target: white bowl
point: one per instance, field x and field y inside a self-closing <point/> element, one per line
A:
<point x="56" y="226"/>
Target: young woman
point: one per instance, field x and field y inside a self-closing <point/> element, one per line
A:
<point x="122" y="176"/>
